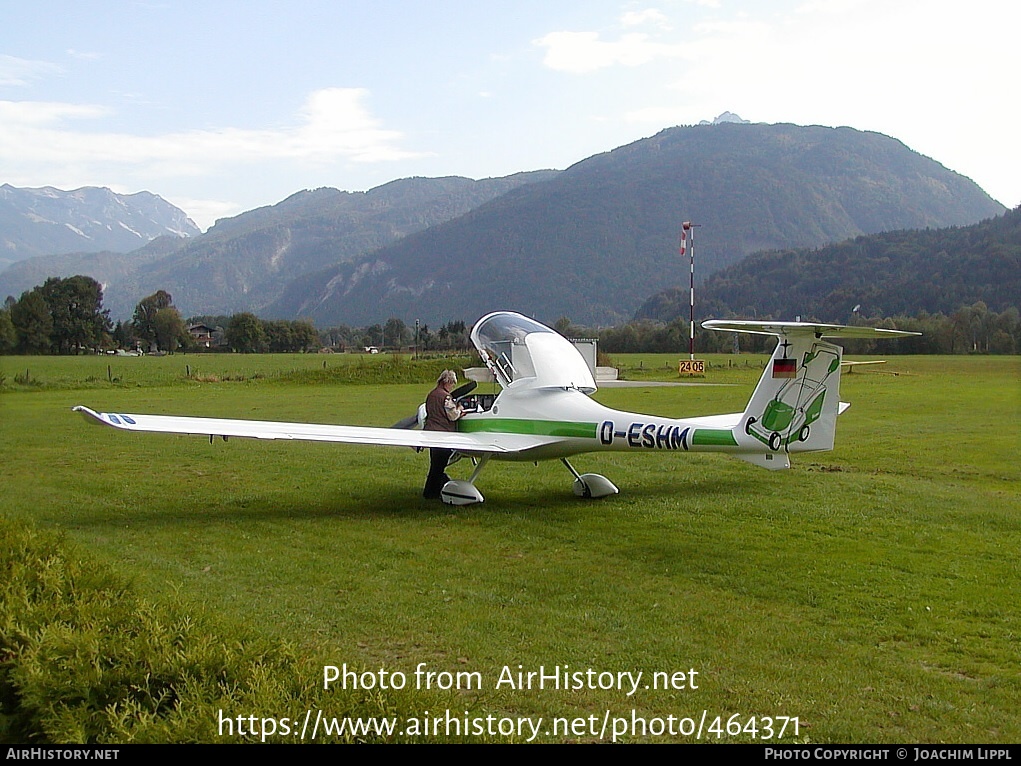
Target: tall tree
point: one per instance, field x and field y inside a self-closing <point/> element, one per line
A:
<point x="76" y="309"/>
<point x="144" y="318"/>
<point x="245" y="333"/>
<point x="8" y="338"/>
<point x="305" y="336"/>
<point x="170" y="331"/>
<point x="394" y="331"/>
<point x="32" y="323"/>
<point x="279" y="337"/>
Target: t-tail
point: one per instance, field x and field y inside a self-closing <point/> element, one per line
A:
<point x="795" y="405"/>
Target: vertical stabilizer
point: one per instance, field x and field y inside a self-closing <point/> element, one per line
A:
<point x="794" y="407"/>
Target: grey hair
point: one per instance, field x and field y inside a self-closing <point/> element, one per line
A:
<point x="447" y="376"/>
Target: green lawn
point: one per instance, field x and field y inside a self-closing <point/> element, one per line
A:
<point x="871" y="592"/>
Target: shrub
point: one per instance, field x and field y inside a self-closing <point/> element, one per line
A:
<point x="85" y="659"/>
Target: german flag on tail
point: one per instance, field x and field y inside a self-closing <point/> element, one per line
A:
<point x="785" y="368"/>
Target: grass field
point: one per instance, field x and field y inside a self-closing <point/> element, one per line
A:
<point x="870" y="592"/>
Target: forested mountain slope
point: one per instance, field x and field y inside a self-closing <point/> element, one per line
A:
<point x="594" y="242"/>
<point x="896" y="272"/>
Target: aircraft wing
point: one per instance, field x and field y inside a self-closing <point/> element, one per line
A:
<point x="266" y="429"/>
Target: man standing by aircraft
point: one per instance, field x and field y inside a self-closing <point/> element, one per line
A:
<point x="441" y="414"/>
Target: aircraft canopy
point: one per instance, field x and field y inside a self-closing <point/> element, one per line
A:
<point x="523" y="353"/>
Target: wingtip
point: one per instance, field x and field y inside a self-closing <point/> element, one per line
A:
<point x="91" y="416"/>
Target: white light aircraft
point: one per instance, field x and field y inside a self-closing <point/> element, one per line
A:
<point x="544" y="410"/>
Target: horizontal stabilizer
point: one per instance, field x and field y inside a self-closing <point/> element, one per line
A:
<point x="810" y="329"/>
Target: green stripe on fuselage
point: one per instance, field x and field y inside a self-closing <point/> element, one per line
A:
<point x="713" y="437"/>
<point x="523" y="426"/>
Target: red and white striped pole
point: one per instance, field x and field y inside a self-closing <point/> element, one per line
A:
<point x="688" y="233"/>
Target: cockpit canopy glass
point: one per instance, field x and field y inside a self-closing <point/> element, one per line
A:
<point x="524" y="353"/>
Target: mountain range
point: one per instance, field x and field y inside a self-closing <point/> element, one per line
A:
<point x="592" y="242"/>
<point x="243" y="263"/>
<point x="45" y="221"/>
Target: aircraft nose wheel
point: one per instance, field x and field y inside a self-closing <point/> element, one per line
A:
<point x="590" y="484"/>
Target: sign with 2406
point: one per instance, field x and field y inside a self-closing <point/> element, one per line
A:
<point x="691" y="367"/>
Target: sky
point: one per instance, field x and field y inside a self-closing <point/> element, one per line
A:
<point x="222" y="106"/>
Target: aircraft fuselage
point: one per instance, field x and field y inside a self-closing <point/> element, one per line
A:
<point x="584" y="425"/>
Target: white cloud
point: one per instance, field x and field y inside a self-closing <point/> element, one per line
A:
<point x="649" y="15"/>
<point x="84" y="55"/>
<point x="831" y="6"/>
<point x="17" y="114"/>
<point x="337" y="124"/>
<point x="18" y="71"/>
<point x="583" y="52"/>
<point x="333" y="125"/>
<point x="205" y="212"/>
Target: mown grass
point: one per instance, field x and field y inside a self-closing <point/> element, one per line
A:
<point x="870" y="591"/>
<point x="114" y="372"/>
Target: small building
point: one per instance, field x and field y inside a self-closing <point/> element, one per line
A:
<point x="205" y="336"/>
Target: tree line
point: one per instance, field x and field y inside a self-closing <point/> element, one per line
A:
<point x="970" y="329"/>
<point x="66" y="316"/>
<point x="61" y="316"/>
<point x="395" y="334"/>
<point x="248" y="334"/>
